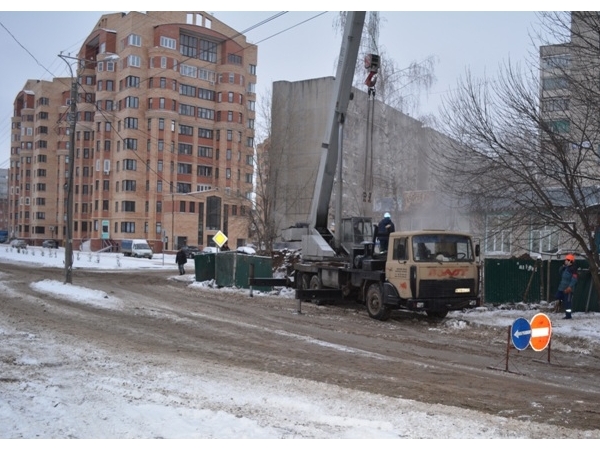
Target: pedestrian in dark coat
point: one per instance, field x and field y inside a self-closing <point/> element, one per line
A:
<point x="568" y="280"/>
<point x="181" y="260"/>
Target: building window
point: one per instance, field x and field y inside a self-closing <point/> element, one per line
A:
<point x="130" y="144"/>
<point x="555" y="104"/>
<point x="127" y="227"/>
<point x="132" y="81"/>
<point x="129" y="185"/>
<point x="560" y="126"/>
<point x="128" y="206"/>
<point x="206" y="152"/>
<point x="187" y="90"/>
<point x="252" y="69"/>
<point x="183" y="168"/>
<point x="188" y="45"/>
<point x="168" y="42"/>
<point x="550" y="84"/>
<point x="188" y="71"/>
<point x="132" y="102"/>
<point x="205" y="113"/>
<point x="187" y="110"/>
<point x="184" y="188"/>
<point x="184" y="149"/>
<point x="234" y="59"/>
<point x="206" y="94"/>
<point x="204" y="171"/>
<point x="208" y="51"/>
<point x="131" y="122"/>
<point x="186" y="130"/>
<point x="129" y="164"/>
<point x="205" y="133"/>
<point x="134" y="39"/>
<point x="134" y="61"/>
<point x="556" y="61"/>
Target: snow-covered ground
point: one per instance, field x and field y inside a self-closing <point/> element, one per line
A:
<point x="106" y="399"/>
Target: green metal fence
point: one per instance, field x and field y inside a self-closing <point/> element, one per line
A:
<point x="517" y="280"/>
<point x="231" y="269"/>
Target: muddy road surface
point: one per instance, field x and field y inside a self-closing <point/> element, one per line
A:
<point x="409" y="356"/>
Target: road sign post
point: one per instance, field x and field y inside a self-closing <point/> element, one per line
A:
<point x="520" y="333"/>
<point x="541" y="332"/>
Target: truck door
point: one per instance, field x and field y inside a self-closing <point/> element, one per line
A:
<point x="397" y="266"/>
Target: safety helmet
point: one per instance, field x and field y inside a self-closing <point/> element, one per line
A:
<point x="387" y="215"/>
<point x="570" y="257"/>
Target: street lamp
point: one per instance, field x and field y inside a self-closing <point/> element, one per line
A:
<point x="73" y="123"/>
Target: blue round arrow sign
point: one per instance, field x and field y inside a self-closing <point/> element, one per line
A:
<point x="520" y="332"/>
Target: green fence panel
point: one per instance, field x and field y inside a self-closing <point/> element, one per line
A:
<point x="225" y="269"/>
<point x="233" y="270"/>
<point x="204" y="265"/>
<point x="531" y="281"/>
<point x="512" y="281"/>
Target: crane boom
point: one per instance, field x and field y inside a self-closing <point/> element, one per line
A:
<point x="341" y="97"/>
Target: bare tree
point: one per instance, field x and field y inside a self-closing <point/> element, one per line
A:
<point x="524" y="147"/>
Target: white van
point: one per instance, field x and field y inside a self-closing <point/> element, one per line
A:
<point x="136" y="247"/>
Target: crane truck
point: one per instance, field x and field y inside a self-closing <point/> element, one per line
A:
<point x="434" y="271"/>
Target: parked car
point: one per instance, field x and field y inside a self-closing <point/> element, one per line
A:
<point x="246" y="249"/>
<point x="190" y="251"/>
<point x="18" y="243"/>
<point x="210" y="250"/>
<point x="50" y="243"/>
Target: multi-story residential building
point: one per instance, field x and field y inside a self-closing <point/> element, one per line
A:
<point x="164" y="138"/>
<point x="3" y="199"/>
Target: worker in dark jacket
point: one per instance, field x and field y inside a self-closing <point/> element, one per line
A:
<point x="568" y="280"/>
<point x="181" y="260"/>
<point x="382" y="232"/>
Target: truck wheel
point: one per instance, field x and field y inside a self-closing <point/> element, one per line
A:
<point x="375" y="307"/>
<point x="305" y="281"/>
<point x="315" y="283"/>
<point x="437" y="314"/>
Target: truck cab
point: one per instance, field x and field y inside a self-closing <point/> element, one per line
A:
<point x="435" y="271"/>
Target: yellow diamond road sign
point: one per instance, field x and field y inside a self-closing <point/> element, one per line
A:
<point x="219" y="239"/>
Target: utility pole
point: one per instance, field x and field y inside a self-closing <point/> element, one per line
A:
<point x="71" y="167"/>
<point x="73" y="123"/>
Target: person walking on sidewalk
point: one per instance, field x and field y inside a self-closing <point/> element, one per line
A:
<point x="566" y="286"/>
<point x="181" y="260"/>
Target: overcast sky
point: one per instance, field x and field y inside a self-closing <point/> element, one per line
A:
<point x="297" y="45"/>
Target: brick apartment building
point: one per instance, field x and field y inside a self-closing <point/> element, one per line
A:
<point x="164" y="139"/>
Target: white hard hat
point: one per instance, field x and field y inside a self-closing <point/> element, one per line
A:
<point x="387" y="215"/>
